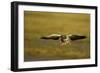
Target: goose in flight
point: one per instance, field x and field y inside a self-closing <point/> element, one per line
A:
<point x="64" y="39"/>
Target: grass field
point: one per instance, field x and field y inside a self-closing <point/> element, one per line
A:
<point x="37" y="24"/>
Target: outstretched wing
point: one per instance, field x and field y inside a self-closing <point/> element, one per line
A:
<point x="52" y="36"/>
<point x="76" y="37"/>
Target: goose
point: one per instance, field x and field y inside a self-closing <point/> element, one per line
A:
<point x="64" y="39"/>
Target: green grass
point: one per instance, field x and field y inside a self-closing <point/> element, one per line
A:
<point x="38" y="24"/>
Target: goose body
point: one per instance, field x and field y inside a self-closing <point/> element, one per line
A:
<point x="64" y="39"/>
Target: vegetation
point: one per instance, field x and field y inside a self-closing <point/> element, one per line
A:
<point x="37" y="24"/>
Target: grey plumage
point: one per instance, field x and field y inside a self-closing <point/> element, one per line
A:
<point x="64" y="39"/>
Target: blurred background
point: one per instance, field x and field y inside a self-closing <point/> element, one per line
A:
<point x="38" y="24"/>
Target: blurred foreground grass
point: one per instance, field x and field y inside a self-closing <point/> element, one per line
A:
<point x="38" y="24"/>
